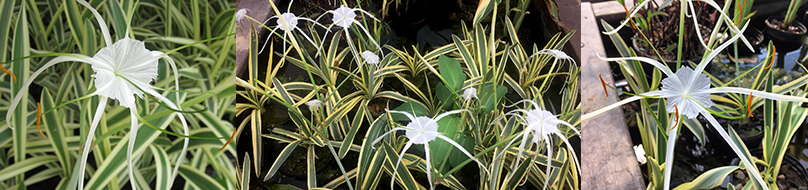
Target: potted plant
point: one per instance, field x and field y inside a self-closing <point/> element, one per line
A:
<point x="655" y="25"/>
<point x="785" y="31"/>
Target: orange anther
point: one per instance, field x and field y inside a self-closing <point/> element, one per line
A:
<point x="38" y="118"/>
<point x="740" y="11"/>
<point x="677" y="116"/>
<point x="602" y="82"/>
<point x="228" y="141"/>
<point x="773" y="52"/>
<point x="9" y="73"/>
<point x="749" y="105"/>
<point x="629" y="17"/>
<point x="699" y="2"/>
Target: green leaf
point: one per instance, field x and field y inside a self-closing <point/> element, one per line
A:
<point x="490" y="96"/>
<point x="282" y="158"/>
<point x="411" y="107"/>
<point x="445" y="96"/>
<point x="24" y="166"/>
<point x="451" y="71"/>
<point x="709" y="179"/>
<point x="198" y="179"/>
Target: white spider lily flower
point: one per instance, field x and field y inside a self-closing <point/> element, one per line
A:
<point x="314" y="105"/>
<point x="470" y="93"/>
<point x="287" y="22"/>
<point x="123" y="70"/>
<point x="345" y="17"/>
<point x="639" y="152"/>
<point x="734" y="29"/>
<point x="240" y="14"/>
<point x="421" y="130"/>
<point x="542" y="124"/>
<point x="688" y="91"/>
<point x="370" y="57"/>
<point x="558" y="54"/>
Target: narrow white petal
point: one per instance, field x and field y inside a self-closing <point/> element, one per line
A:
<point x="184" y="125"/>
<point x="131" y="147"/>
<point x="664" y="68"/>
<point x="395" y="170"/>
<point x="718" y="50"/>
<point x="86" y="151"/>
<point x="307" y="38"/>
<point x="627" y="21"/>
<point x="412" y="118"/>
<point x="385" y="134"/>
<point x="428" y="167"/>
<point x="572" y="151"/>
<point x="450" y="113"/>
<point x="101" y="23"/>
<point x="620" y="103"/>
<point x="698" y="31"/>
<point x="464" y="151"/>
<point x="749" y="166"/>
<point x="669" y="155"/>
<point x="24" y="89"/>
<point x="767" y="95"/>
<point x="370" y="37"/>
<point x="549" y="161"/>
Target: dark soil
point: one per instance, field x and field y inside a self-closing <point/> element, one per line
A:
<point x="779" y="25"/>
<point x="663" y="32"/>
<point x="788" y="178"/>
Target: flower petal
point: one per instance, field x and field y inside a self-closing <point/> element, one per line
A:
<point x="767" y="95"/>
<point x="403" y="151"/>
<point x="464" y="151"/>
<point x="620" y="103"/>
<point x="749" y="166"/>
<point x="131" y="147"/>
<point x="24" y="89"/>
<point x="86" y="151"/>
<point x="101" y="23"/>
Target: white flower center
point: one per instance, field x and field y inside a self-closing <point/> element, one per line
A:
<point x="370" y="57"/>
<point x="559" y="54"/>
<point x="422" y="130"/>
<point x="240" y="14"/>
<point x="314" y="105"/>
<point x="343" y="16"/>
<point x="541" y="122"/>
<point x="291" y="22"/>
<point x="126" y="58"/>
<point x="687" y="94"/>
<point x="470" y="93"/>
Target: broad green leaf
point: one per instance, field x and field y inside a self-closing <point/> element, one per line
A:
<point x="411" y="107"/>
<point x="451" y="71"/>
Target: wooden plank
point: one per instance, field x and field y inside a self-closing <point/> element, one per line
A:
<point x="607" y="156"/>
<point x="256" y="9"/>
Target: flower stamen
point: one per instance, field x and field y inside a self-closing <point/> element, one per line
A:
<point x="628" y="15"/>
<point x="602" y="82"/>
<point x="739" y="13"/>
<point x="749" y="105"/>
<point x="228" y="141"/>
<point x="39" y="118"/>
<point x="9" y="73"/>
<point x="773" y="53"/>
<point x="677" y="116"/>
